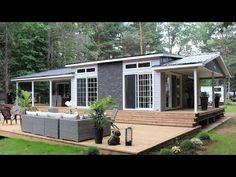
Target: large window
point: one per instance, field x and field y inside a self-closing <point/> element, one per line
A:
<point x="86" y="91"/>
<point x="92" y="90"/>
<point x="145" y="90"/>
<point x="139" y="91"/>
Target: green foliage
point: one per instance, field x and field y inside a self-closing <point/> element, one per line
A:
<point x="204" y="94"/>
<point x="93" y="151"/>
<point x="73" y="42"/>
<point x="186" y="145"/>
<point x="166" y="151"/>
<point x="196" y="141"/>
<point x="176" y="149"/>
<point x="217" y="95"/>
<point x="203" y="136"/>
<point x="228" y="102"/>
<point x="24" y="101"/>
<point x="231" y="108"/>
<point x="97" y="110"/>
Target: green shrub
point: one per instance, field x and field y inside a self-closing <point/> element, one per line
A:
<point x="186" y="145"/>
<point x="228" y="102"/>
<point x="166" y="151"/>
<point x="93" y="151"/>
<point x="203" y="136"/>
<point x="196" y="141"/>
<point x="176" y="149"/>
<point x="204" y="94"/>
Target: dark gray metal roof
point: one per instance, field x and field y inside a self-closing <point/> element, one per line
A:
<point x="53" y="72"/>
<point x="194" y="59"/>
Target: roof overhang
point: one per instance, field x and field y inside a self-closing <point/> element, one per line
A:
<point x="160" y="68"/>
<point x="123" y="59"/>
<point x="46" y="78"/>
<point x="201" y="67"/>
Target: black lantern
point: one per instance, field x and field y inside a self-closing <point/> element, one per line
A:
<point x="128" y="136"/>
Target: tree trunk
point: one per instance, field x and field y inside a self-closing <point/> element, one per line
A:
<point x="141" y="38"/>
<point x="50" y="48"/>
<point x="6" y="60"/>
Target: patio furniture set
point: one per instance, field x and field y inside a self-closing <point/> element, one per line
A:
<point x="60" y="126"/>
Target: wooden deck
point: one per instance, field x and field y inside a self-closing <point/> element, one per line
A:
<point x="146" y="138"/>
<point x="175" y="118"/>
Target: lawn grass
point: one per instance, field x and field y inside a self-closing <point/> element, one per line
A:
<point x="22" y="147"/>
<point x="223" y="137"/>
<point x="231" y="108"/>
<point x="222" y="144"/>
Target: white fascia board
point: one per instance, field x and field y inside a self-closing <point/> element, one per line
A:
<point x="122" y="59"/>
<point x="177" y="66"/>
<point x="225" y="68"/>
<point x="44" y="78"/>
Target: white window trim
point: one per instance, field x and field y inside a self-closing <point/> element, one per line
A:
<point x="131" y="64"/>
<point x="143" y="62"/>
<point x="137" y="68"/>
<point x="87" y="106"/>
<point x="86" y="73"/>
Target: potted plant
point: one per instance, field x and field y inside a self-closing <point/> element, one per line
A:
<point x="204" y="100"/>
<point x="24" y="102"/>
<point x="217" y="100"/>
<point x="97" y="113"/>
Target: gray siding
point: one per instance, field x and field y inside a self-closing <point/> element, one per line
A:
<point x="110" y="81"/>
<point x="163" y="95"/>
<point x="157" y="90"/>
<point x="214" y="66"/>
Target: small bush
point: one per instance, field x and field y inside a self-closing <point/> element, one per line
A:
<point x="228" y="102"/>
<point x="196" y="141"/>
<point x="176" y="149"/>
<point x="166" y="151"/>
<point x="203" y="136"/>
<point x="186" y="145"/>
<point x="93" y="151"/>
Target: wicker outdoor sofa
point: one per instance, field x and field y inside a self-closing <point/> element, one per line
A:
<point x="60" y="126"/>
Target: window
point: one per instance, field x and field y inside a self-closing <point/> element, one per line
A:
<point x="143" y="65"/>
<point x="130" y="66"/>
<point x="217" y="89"/>
<point x="90" y="70"/>
<point x="81" y="71"/>
<point x="92" y="90"/>
<point x="145" y="90"/>
<point x="86" y="91"/>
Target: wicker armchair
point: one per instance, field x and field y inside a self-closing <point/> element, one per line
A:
<point x="6" y="112"/>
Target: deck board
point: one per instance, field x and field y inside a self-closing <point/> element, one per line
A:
<point x="146" y="137"/>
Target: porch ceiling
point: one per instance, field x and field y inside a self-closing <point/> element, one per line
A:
<point x="202" y="72"/>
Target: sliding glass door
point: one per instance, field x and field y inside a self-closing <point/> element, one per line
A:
<point x="138" y="91"/>
<point x="172" y="91"/>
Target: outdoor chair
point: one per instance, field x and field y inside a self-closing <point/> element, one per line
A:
<point x="6" y="112"/>
<point x="113" y="118"/>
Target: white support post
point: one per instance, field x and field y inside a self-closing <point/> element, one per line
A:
<point x="32" y="93"/>
<point x="224" y="87"/>
<point x="213" y="91"/>
<point x="17" y="92"/>
<point x="50" y="93"/>
<point x="198" y="91"/>
<point x="228" y="88"/>
<point x="195" y="90"/>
